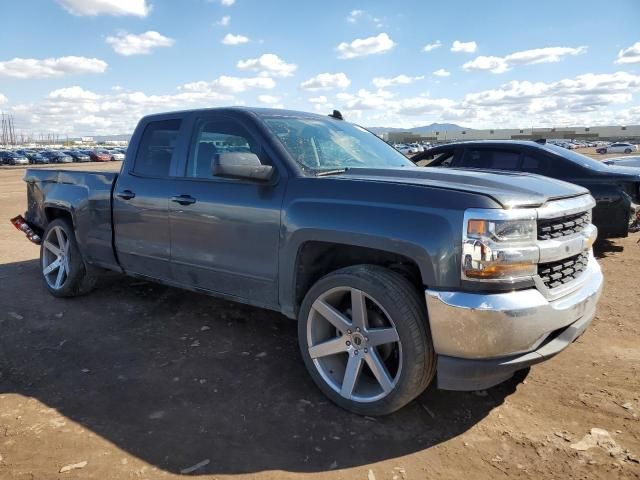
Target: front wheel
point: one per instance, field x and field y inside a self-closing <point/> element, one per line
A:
<point x="364" y="337"/>
<point x="63" y="269"/>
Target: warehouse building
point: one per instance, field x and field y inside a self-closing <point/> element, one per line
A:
<point x="617" y="133"/>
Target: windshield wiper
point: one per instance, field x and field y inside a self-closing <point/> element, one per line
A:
<point x="335" y="171"/>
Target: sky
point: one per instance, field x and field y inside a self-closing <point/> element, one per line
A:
<point x="94" y="67"/>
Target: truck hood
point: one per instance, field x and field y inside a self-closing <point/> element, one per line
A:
<point x="509" y="189"/>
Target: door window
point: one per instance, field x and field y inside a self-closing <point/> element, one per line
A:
<point x="216" y="136"/>
<point x="156" y="148"/>
<point x="490" y="159"/>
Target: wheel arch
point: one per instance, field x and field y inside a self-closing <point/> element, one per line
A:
<point x="317" y="258"/>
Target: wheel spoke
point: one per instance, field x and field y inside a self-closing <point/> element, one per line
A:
<point x="332" y="315"/>
<point x="51" y="267"/>
<point x="380" y="336"/>
<point x="60" y="237"/>
<point x="379" y="370"/>
<point x="330" y="347"/>
<point x="52" y="248"/>
<point x="358" y="309"/>
<point x="61" y="270"/>
<point x="351" y="374"/>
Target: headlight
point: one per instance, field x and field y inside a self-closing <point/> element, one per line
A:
<point x="499" y="245"/>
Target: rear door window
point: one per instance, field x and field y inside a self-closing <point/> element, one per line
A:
<point x="156" y="148"/>
<point x="490" y="159"/>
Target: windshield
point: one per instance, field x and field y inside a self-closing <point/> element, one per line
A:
<point x="325" y="144"/>
<point x="577" y="158"/>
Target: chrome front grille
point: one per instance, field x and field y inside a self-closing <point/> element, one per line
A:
<point x="558" y="273"/>
<point x="555" y="228"/>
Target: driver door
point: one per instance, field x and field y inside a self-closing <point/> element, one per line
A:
<point x="225" y="232"/>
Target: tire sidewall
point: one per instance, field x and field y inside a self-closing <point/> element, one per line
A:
<point x="77" y="269"/>
<point x="412" y="349"/>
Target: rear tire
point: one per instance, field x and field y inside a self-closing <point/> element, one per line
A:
<point x="63" y="269"/>
<point x="372" y="363"/>
<point x="628" y="150"/>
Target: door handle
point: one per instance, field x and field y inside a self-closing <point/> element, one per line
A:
<point x="126" y="195"/>
<point x="183" y="199"/>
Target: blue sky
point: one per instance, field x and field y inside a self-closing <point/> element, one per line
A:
<point x="83" y="67"/>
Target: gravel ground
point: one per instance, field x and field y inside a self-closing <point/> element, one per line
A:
<point x="138" y="380"/>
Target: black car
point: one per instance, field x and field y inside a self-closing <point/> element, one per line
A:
<point x="624" y="162"/>
<point x="55" y="156"/>
<point x="78" y="156"/>
<point x="616" y="189"/>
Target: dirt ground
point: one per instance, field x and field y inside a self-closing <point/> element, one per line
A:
<point x="142" y="381"/>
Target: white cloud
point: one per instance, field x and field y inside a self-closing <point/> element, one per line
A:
<point x="588" y="99"/>
<point x="271" y="100"/>
<point x="365" y="100"/>
<point x="268" y="64"/>
<point x="131" y="44"/>
<point x="51" y="67"/>
<point x="73" y="93"/>
<point x="441" y="72"/>
<point x="137" y="8"/>
<point x="326" y="81"/>
<point x="231" y="39"/>
<point x="227" y="84"/>
<point x="354" y="15"/>
<point x="366" y="46"/>
<point x="227" y="3"/>
<point x="464" y="47"/>
<point x="3" y="99"/>
<point x="224" y="21"/>
<point x="320" y="99"/>
<point x="629" y="55"/>
<point x="429" y="47"/>
<point x="381" y="82"/>
<point x="525" y="57"/>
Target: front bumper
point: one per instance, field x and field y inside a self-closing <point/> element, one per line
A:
<point x="482" y="339"/>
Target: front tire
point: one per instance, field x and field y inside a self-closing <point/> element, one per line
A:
<point x="364" y="337"/>
<point x="63" y="270"/>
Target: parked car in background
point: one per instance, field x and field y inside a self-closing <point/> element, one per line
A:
<point x="115" y="155"/>
<point x="383" y="265"/>
<point x="616" y="189"/>
<point x="56" y="156"/>
<point x="11" y="158"/>
<point x="618" y="148"/>
<point x="78" y="156"/>
<point x="406" y="149"/>
<point x="37" y="158"/>
<point x="98" y="156"/>
<point x="623" y="161"/>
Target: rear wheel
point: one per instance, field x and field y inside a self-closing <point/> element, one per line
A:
<point x="63" y="269"/>
<point x="627" y="150"/>
<point x="364" y="338"/>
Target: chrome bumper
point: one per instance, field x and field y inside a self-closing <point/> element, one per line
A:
<point x="483" y="326"/>
<point x="482" y="339"/>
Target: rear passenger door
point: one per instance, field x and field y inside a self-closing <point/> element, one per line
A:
<point x="225" y="232"/>
<point x="140" y="201"/>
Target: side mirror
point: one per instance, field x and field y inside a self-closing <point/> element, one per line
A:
<point x="243" y="165"/>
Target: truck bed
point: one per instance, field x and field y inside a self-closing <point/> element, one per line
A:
<point x="87" y="195"/>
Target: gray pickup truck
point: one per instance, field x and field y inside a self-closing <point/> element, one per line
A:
<point x="396" y="274"/>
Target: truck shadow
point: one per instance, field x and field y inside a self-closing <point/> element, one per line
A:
<point x="176" y="378"/>
<point x="605" y="247"/>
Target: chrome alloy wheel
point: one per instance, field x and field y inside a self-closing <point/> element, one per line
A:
<point x="55" y="258"/>
<point x="354" y="344"/>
